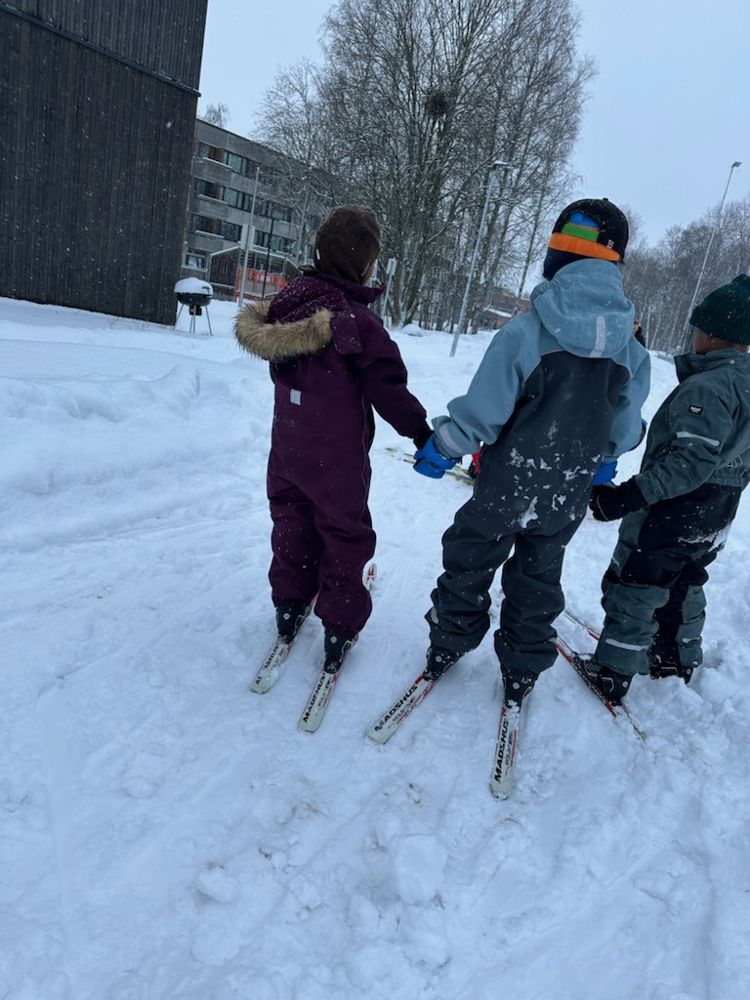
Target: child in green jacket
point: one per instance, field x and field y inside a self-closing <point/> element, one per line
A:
<point x="678" y="509"/>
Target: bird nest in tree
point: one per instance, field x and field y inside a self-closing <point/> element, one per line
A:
<point x="437" y="103"/>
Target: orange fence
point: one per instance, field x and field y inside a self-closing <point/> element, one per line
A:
<point x="254" y="283"/>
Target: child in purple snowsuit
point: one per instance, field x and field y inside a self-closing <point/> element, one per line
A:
<point x="332" y="361"/>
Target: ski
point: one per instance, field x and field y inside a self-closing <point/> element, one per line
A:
<point x="383" y="728"/>
<point x="581" y="624"/>
<point x="616" y="711"/>
<point x="370" y="575"/>
<point x="317" y="703"/>
<point x="505" y="751"/>
<point x="458" y="472"/>
<point x="269" y="672"/>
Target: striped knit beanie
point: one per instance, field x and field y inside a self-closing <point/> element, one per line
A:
<point x="591" y="227"/>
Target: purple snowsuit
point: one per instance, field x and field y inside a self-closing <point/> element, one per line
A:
<point x="332" y="361"/>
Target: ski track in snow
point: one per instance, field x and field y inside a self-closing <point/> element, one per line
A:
<point x="165" y="833"/>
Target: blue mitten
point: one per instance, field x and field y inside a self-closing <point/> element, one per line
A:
<point x="605" y="473"/>
<point x="429" y="462"/>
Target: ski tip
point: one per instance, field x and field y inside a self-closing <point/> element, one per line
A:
<point x="308" y="725"/>
<point x="500" y="792"/>
<point x="311" y="718"/>
<point x="316" y="706"/>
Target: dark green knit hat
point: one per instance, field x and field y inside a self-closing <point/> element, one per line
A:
<point x="725" y="313"/>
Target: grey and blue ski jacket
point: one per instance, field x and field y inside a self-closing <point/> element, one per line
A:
<point x="559" y="389"/>
<point x="583" y="311"/>
<point x="701" y="432"/>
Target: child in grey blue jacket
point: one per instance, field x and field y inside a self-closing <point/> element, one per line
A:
<point x="558" y="392"/>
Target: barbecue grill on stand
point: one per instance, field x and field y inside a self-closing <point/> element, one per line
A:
<point x="196" y="295"/>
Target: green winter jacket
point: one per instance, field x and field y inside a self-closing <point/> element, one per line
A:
<point x="701" y="432"/>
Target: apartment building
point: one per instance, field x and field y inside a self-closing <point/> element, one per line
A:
<point x="248" y="201"/>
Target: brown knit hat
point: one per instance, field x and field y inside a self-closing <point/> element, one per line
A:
<point x="347" y="242"/>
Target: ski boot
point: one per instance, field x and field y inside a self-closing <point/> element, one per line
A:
<point x="335" y="648"/>
<point x="609" y="682"/>
<point x="516" y="686"/>
<point x="438" y="661"/>
<point x="661" y="666"/>
<point x="289" y="618"/>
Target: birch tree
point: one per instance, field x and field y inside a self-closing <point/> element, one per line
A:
<point x="414" y="101"/>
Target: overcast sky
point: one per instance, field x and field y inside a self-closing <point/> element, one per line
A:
<point x="666" y="117"/>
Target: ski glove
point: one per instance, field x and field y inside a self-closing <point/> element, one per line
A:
<point x="421" y="438"/>
<point x="610" y="503"/>
<point x="429" y="462"/>
<point x="605" y="473"/>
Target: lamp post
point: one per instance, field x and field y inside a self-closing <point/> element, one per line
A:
<point x="390" y="270"/>
<point x="301" y="233"/>
<point x="686" y="328"/>
<point x="268" y="261"/>
<point x="249" y="238"/>
<point x="460" y="326"/>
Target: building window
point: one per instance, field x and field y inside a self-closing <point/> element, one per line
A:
<point x="196" y="259"/>
<point x="278" y="243"/>
<point x="238" y="199"/>
<point x="232" y="232"/>
<point x="209" y="189"/>
<point x="273" y="210"/>
<point x="246" y="167"/>
<point x="205" y="224"/>
<point x="212" y="152"/>
<point x="233" y="197"/>
<point x="240" y="164"/>
<point x="215" y="227"/>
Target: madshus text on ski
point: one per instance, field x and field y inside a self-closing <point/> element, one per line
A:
<point x="555" y="402"/>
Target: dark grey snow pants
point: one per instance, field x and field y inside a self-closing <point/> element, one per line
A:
<point x="653" y="590"/>
<point x="478" y="542"/>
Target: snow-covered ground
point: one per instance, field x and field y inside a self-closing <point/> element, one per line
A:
<point x="165" y="833"/>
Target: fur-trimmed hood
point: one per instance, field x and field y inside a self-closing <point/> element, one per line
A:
<point x="282" y="341"/>
<point x="331" y="362"/>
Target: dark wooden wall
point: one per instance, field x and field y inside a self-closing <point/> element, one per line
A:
<point x="97" y="114"/>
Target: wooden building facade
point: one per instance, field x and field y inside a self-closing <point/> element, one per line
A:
<point x="97" y="113"/>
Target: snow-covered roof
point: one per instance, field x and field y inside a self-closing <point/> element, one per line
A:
<point x="498" y="312"/>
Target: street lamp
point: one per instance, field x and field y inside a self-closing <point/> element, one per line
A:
<point x="301" y="236"/>
<point x="497" y="165"/>
<point x="686" y="328"/>
<point x="249" y="239"/>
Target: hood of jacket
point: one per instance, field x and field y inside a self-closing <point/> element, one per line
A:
<point x="692" y="364"/>
<point x="585" y="309"/>
<point x="296" y="322"/>
<point x="307" y="315"/>
<point x="365" y="294"/>
<point x="282" y="341"/>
